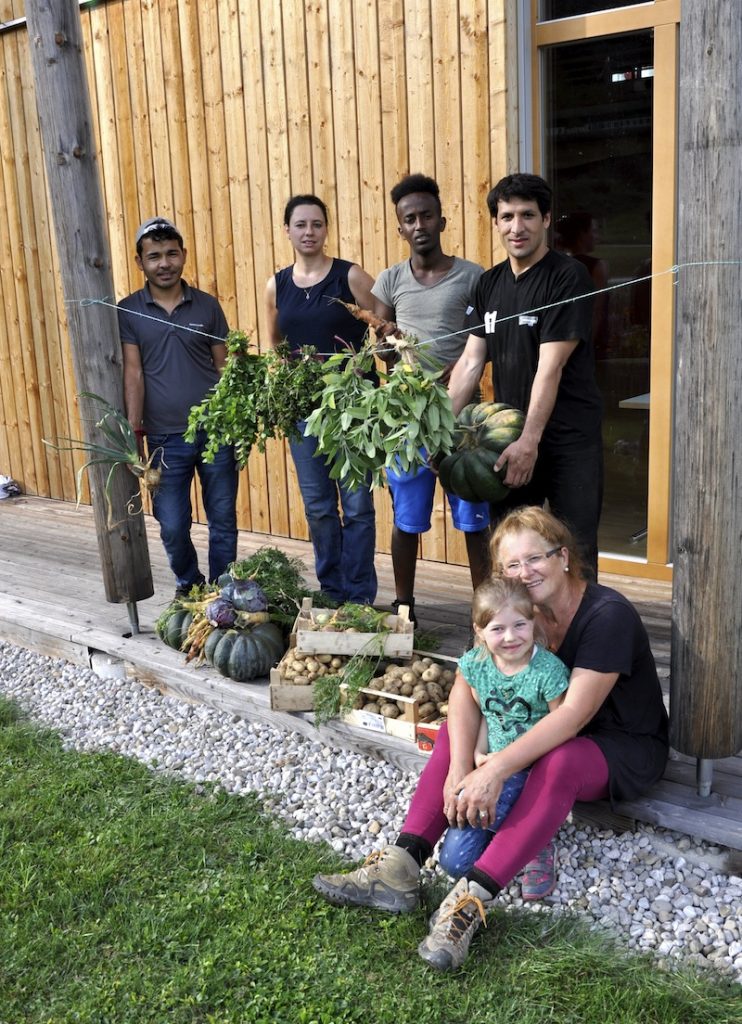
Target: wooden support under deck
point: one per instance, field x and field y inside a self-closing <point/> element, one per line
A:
<point x="52" y="602"/>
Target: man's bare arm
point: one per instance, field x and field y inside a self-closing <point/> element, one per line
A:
<point x="467" y="373"/>
<point x="520" y="456"/>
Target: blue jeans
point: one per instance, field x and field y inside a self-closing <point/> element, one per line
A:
<point x="462" y="847"/>
<point x="343" y="550"/>
<point x="172" y="504"/>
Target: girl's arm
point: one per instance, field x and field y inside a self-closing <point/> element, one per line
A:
<point x="586" y="693"/>
<point x="557" y="702"/>
<point x="482" y="745"/>
<point x="464" y="718"/>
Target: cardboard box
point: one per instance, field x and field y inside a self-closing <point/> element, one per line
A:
<point x="426" y="734"/>
<point x="405" y="726"/>
<point x="397" y="644"/>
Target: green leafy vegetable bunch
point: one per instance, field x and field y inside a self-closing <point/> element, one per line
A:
<point x="363" y="429"/>
<point x="257" y="397"/>
<point x="230" y="411"/>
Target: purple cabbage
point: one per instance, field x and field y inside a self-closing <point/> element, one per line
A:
<point x="220" y="612"/>
<point x="246" y="596"/>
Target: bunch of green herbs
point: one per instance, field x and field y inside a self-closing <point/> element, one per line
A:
<point x="335" y="695"/>
<point x="292" y="388"/>
<point x="362" y="429"/>
<point x="259" y="396"/>
<point x="360" y="617"/>
<point x="229" y="414"/>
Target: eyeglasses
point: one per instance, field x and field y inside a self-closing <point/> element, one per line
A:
<point x="532" y="562"/>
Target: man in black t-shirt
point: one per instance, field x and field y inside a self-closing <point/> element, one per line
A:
<point x="531" y="318"/>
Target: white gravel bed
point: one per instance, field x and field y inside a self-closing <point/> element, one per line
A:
<point x="660" y="891"/>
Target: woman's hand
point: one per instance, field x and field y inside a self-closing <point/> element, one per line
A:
<point x="480" y="759"/>
<point x="478" y="794"/>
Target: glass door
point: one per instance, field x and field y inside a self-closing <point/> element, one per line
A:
<point x="604" y="88"/>
<point x="597" y="98"/>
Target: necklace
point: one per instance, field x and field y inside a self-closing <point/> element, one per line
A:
<point x="557" y="631"/>
<point x="307" y="290"/>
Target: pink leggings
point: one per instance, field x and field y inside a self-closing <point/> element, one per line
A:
<point x="577" y="770"/>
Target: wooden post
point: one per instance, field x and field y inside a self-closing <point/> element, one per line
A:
<point x="706" y="695"/>
<point x="55" y="36"/>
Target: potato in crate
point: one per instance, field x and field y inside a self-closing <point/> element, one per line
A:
<point x="292" y="681"/>
<point x="406" y="697"/>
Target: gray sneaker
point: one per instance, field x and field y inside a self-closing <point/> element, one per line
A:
<point x="454" y="924"/>
<point x="388" y="879"/>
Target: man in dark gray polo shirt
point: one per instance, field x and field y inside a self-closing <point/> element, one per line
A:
<point x="173" y="345"/>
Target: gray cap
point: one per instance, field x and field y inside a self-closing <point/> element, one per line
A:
<point x="154" y="224"/>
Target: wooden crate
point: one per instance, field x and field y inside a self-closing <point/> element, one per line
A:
<point x="408" y="725"/>
<point x="285" y="695"/>
<point x="397" y="644"/>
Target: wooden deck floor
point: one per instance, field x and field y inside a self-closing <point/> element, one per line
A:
<point x="52" y="601"/>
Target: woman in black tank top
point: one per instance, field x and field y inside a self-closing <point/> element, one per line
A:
<point x="299" y="310"/>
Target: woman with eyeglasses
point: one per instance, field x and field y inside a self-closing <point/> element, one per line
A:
<point x="607" y="740"/>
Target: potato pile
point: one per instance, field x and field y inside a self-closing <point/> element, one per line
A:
<point x="301" y="669"/>
<point x="422" y="679"/>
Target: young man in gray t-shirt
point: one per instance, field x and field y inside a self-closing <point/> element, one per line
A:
<point x="428" y="296"/>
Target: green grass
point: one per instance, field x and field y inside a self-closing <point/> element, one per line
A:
<point x="126" y="897"/>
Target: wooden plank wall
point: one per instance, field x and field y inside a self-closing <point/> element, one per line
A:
<point x="213" y="115"/>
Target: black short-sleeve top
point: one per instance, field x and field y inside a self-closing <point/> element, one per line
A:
<point x="551" y="301"/>
<point x="631" y="726"/>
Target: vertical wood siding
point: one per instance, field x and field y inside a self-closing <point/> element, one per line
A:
<point x="212" y="114"/>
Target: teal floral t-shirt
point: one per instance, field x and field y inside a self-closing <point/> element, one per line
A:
<point x="512" y="705"/>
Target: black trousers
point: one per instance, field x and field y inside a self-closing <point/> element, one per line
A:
<point x="571" y="480"/>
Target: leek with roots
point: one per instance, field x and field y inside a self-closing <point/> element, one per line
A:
<point x="120" y="448"/>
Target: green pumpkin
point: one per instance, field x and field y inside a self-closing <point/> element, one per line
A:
<point x="244" y="654"/>
<point x="175" y="629"/>
<point x="481" y="435"/>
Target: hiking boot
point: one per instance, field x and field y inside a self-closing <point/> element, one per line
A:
<point x="387" y="880"/>
<point x="184" y="589"/>
<point x="454" y="924"/>
<point x="539" y="875"/>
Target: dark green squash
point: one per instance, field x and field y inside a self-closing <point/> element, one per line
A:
<point x="244" y="654"/>
<point x="176" y="628"/>
<point x="482" y="433"/>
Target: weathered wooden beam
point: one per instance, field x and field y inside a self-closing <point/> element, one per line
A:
<point x="63" y="101"/>
<point x="706" y="694"/>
